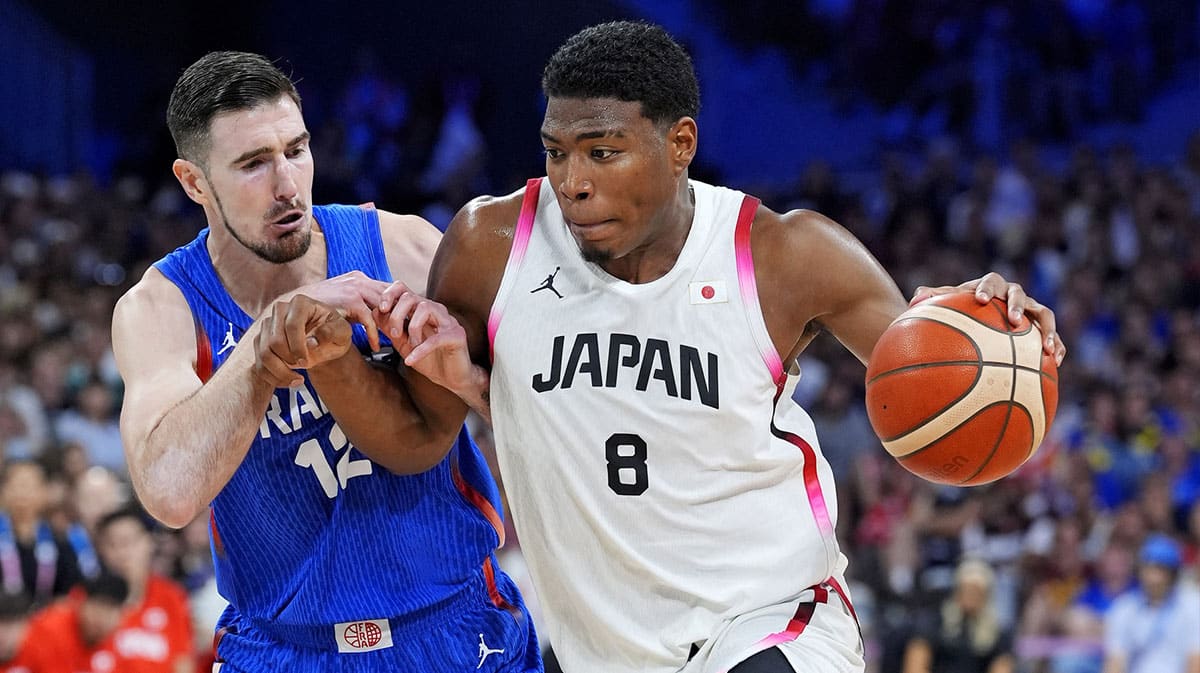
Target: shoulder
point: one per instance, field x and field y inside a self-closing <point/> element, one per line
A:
<point x="802" y="231"/>
<point x="409" y="228"/>
<point x="153" y="316"/>
<point x="1125" y="606"/>
<point x="489" y="216"/>
<point x="153" y="293"/>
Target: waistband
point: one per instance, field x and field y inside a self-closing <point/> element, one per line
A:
<point x="486" y="589"/>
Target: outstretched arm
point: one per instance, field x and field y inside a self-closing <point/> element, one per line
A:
<point x="813" y="274"/>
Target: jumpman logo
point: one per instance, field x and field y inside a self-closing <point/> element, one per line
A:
<point x="548" y="284"/>
<point x="485" y="652"/>
<point x="229" y="341"/>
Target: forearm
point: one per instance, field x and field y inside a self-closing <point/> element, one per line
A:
<point x="195" y="448"/>
<point x="405" y="423"/>
<point x="477" y="395"/>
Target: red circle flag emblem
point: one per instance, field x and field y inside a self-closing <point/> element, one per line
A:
<point x="707" y="292"/>
<point x="362" y="634"/>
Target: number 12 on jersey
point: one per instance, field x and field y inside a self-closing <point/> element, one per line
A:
<point x="626" y="456"/>
<point x="311" y="455"/>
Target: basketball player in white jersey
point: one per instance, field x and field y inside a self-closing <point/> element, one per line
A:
<point x="641" y="330"/>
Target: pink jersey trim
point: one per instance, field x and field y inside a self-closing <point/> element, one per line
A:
<point x="748" y="283"/>
<point x="812" y="483"/>
<point x="521" y="236"/>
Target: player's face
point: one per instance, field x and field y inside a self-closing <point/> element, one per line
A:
<point x="260" y="174"/>
<point x="614" y="173"/>
<point x="126" y="548"/>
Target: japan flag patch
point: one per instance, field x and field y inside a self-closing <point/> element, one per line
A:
<point x="708" y="292"/>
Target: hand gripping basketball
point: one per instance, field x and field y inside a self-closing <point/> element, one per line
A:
<point x="958" y="392"/>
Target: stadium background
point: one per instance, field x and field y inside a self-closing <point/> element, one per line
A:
<point x="1057" y="141"/>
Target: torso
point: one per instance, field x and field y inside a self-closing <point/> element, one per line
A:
<point x="661" y="479"/>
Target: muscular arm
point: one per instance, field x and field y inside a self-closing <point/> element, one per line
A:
<point x="813" y="274"/>
<point x="466" y="275"/>
<point x="183" y="439"/>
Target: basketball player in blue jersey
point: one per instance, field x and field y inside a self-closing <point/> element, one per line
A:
<point x="353" y="523"/>
<point x="673" y="503"/>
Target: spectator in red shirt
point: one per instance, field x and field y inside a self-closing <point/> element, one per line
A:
<point x="155" y="635"/>
<point x="75" y="635"/>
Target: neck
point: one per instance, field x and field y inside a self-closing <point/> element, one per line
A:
<point x="137" y="589"/>
<point x="657" y="255"/>
<point x="253" y="282"/>
<point x="24" y="527"/>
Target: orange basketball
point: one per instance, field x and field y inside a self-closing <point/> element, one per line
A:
<point x="957" y="393"/>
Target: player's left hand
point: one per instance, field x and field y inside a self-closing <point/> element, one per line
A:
<point x="428" y="337"/>
<point x="1019" y="303"/>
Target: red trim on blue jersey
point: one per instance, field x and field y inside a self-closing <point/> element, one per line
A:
<point x="489" y="576"/>
<point x="481" y="503"/>
<point x="218" y="543"/>
<point x="369" y="205"/>
<point x="204" y="356"/>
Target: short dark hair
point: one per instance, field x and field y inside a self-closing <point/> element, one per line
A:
<point x="630" y="61"/>
<point x="132" y="511"/>
<point x="106" y="588"/>
<point x="221" y="81"/>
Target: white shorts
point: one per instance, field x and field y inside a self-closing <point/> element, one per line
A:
<point x="817" y="632"/>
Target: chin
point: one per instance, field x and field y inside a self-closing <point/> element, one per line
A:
<point x="596" y="255"/>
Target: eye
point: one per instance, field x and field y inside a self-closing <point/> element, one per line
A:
<point x="295" y="151"/>
<point x="251" y="165"/>
<point x="603" y="154"/>
<point x="551" y="153"/>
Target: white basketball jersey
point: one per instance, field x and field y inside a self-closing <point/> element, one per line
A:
<point x="661" y="479"/>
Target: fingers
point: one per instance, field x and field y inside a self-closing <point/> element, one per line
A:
<point x="267" y="362"/>
<point x="300" y="333"/>
<point x="389" y="296"/>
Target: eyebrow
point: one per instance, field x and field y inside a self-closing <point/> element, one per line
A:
<point x="588" y="135"/>
<point x="303" y="137"/>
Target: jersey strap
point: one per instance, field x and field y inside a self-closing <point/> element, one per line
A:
<point x="749" y="287"/>
<point x="515" y="256"/>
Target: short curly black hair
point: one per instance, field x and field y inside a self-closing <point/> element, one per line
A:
<point x="630" y="61"/>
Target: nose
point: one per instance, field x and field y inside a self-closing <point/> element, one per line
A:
<point x="575" y="186"/>
<point x="286" y="187"/>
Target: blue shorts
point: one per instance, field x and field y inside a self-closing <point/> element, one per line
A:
<point x="479" y="629"/>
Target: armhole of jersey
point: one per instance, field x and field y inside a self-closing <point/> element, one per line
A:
<point x="375" y="244"/>
<point x="749" y="288"/>
<point x="516" y="256"/>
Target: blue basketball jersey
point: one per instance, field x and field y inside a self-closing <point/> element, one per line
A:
<point x="309" y="532"/>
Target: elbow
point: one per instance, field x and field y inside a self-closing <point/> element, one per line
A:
<point x="421" y="457"/>
<point x="173" y="511"/>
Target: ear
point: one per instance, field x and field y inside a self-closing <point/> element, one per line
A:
<point x="191" y="177"/>
<point x="681" y="144"/>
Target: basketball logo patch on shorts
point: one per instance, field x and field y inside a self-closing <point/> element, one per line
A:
<point x="364" y="636"/>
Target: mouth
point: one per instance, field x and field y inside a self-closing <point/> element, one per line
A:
<point x="590" y="230"/>
<point x="288" y="221"/>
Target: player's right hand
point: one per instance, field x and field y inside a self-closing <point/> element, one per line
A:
<point x="299" y="333"/>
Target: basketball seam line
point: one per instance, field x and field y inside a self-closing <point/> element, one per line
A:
<point x="961" y="363"/>
<point x="972" y="318"/>
<point x="1012" y="397"/>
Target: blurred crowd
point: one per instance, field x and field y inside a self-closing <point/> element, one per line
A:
<point x="1108" y="239"/>
<point x="1045" y="68"/>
